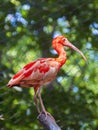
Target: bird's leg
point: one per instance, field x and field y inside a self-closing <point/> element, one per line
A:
<point x="41" y="101"/>
<point x="36" y="102"/>
<point x="42" y="105"/>
<point x="36" y="99"/>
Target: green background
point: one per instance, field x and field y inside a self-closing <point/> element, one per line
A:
<point x="26" y="31"/>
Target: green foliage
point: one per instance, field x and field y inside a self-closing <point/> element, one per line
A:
<point x="26" y="31"/>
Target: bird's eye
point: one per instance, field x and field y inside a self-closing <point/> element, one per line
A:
<point x="64" y="39"/>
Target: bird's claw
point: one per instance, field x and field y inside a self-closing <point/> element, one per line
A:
<point x="46" y="114"/>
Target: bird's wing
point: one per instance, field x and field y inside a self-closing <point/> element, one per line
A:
<point x="33" y="70"/>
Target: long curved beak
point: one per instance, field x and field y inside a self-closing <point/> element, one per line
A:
<point x="70" y="45"/>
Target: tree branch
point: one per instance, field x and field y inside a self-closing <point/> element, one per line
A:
<point x="48" y="123"/>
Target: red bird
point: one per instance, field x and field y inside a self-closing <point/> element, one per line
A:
<point x="42" y="71"/>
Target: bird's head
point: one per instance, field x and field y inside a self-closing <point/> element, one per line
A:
<point x="63" y="41"/>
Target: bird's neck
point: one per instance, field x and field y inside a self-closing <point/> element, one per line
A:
<point x="62" y="54"/>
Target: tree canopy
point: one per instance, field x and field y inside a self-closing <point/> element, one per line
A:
<point x="26" y="31"/>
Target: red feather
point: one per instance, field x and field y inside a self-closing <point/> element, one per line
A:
<point x="17" y="75"/>
<point x="26" y="67"/>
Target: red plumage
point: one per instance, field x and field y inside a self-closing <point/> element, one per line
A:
<point x="39" y="72"/>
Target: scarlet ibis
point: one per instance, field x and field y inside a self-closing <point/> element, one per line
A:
<point x="42" y="71"/>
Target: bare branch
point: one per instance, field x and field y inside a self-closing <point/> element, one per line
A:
<point x="48" y="123"/>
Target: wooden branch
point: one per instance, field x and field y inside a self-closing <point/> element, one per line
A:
<point x="48" y="123"/>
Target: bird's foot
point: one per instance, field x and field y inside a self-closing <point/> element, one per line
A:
<point x="46" y="114"/>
